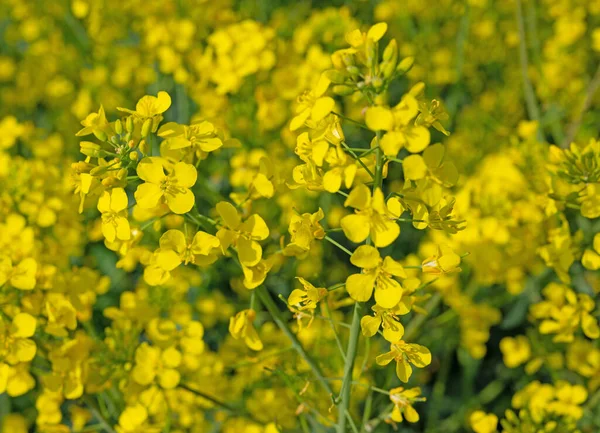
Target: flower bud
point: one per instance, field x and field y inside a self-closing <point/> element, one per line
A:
<point x="97" y="171"/>
<point x="353" y="70"/>
<point x="129" y="124"/>
<point x="144" y="148"/>
<point x="405" y="65"/>
<point x="89" y="149"/>
<point x="335" y="77"/>
<point x="133" y="156"/>
<point x="370" y="52"/>
<point x="343" y="90"/>
<point x="118" y="127"/>
<point x="146" y="127"/>
<point x="100" y="135"/>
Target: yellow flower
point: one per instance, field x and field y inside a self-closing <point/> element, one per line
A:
<point x="244" y="235"/>
<point x="356" y="38"/>
<point x="241" y="327"/>
<point x="515" y="351"/>
<point x="372" y="217"/>
<point x="113" y="206"/>
<point x="312" y="104"/>
<point x="591" y="257"/>
<point x="302" y="302"/>
<point x="10" y="131"/>
<point x="132" y="419"/>
<point x="201" y="136"/>
<point x="16" y="339"/>
<point x="405" y="354"/>
<point x="201" y="250"/>
<point x="376" y="273"/>
<point x="482" y="422"/>
<point x="150" y="106"/>
<point x="386" y="318"/>
<point x="403" y="400"/>
<point x="400" y="127"/>
<point x="255" y="275"/>
<point x="445" y="261"/>
<point x="95" y="123"/>
<point x="173" y="188"/>
<point x="304" y="229"/>
<point x="22" y="276"/>
<point x="564" y="311"/>
<point x="152" y="363"/>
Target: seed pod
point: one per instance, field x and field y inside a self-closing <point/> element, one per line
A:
<point x="343" y="90"/>
<point x="146" y="127"/>
<point x="118" y="127"/>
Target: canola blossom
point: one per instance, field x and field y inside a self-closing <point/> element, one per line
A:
<point x="278" y="217"/>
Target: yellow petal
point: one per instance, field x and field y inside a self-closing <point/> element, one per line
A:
<point x="323" y="106"/>
<point x="366" y="257"/>
<point x="185" y="174"/>
<point x="414" y="167"/>
<point x="356" y="227"/>
<point x="370" y="325"/>
<point x="147" y="195"/>
<point x="151" y="170"/>
<point x="377" y="31"/>
<point x="360" y="286"/>
<point x="180" y="203"/>
<point x="384" y="234"/>
<point x="417" y="138"/>
<point x="403" y="370"/>
<point x="229" y="214"/>
<point x="118" y="200"/>
<point x="249" y="252"/>
<point x="379" y="118"/>
<point x="23" y="325"/>
<point x="359" y="198"/>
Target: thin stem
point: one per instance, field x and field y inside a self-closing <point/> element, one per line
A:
<point x="533" y="109"/>
<point x="335" y="333"/>
<point x="357" y="158"/>
<point x="337" y="244"/>
<point x="589" y="96"/>
<point x="94" y="409"/>
<point x="418" y="321"/>
<point x="272" y="308"/>
<point x="349" y="367"/>
<point x="341" y="116"/>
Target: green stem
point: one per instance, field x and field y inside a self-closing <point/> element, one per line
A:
<point x="96" y="413"/>
<point x="272" y="308"/>
<point x="337" y="244"/>
<point x="349" y="367"/>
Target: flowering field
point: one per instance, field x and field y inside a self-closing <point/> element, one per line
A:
<point x="281" y="216"/>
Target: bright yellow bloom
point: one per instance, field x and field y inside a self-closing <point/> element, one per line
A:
<point x="482" y="422"/>
<point x="200" y="137"/>
<point x="515" y="351"/>
<point x="95" y="123"/>
<point x="405" y="354"/>
<point x="22" y="276"/>
<point x="173" y="187"/>
<point x="591" y="257"/>
<point x="113" y="206"/>
<point x="241" y="327"/>
<point x="371" y="218"/>
<point x="243" y="235"/>
<point x="17" y="345"/>
<point x="312" y="104"/>
<point x="386" y="318"/>
<point x="445" y="261"/>
<point x="150" y="106"/>
<point x="304" y="229"/>
<point x="152" y="363"/>
<point x="376" y="273"/>
<point x="403" y="400"/>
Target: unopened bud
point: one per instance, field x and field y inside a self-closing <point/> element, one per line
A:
<point x="118" y="127"/>
<point x="343" y="90"/>
<point x="144" y="148"/>
<point x="335" y="77"/>
<point x="97" y="171"/>
<point x="129" y="124"/>
<point x="370" y="52"/>
<point x="146" y="127"/>
<point x="100" y="135"/>
<point x="405" y="65"/>
<point x="133" y="156"/>
<point x="353" y="70"/>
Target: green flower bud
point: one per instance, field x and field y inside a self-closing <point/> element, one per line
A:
<point x="343" y="90"/>
<point x="118" y="127"/>
<point x="146" y="127"/>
